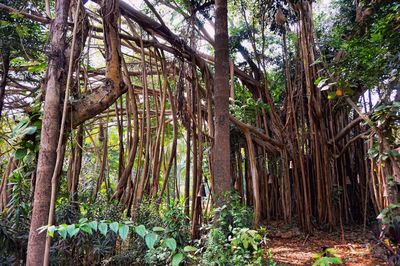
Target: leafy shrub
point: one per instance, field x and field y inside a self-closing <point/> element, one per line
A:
<point x="242" y="248"/>
<point x="14" y="221"/>
<point x="177" y="224"/>
<point x="234" y="214"/>
<point x="216" y="249"/>
<point x="231" y="241"/>
<point x="389" y="232"/>
<point x="90" y="242"/>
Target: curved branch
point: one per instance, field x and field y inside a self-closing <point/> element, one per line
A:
<point x="346" y="130"/>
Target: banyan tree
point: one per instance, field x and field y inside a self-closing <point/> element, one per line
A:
<point x="181" y="97"/>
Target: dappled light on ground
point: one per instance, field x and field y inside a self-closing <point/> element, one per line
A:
<point x="290" y="247"/>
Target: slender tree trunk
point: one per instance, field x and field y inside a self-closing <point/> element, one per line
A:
<point x="76" y="165"/>
<point x="221" y="158"/>
<point x="187" y="174"/>
<point x="49" y="135"/>
<point x="5" y="54"/>
<point x="4" y="197"/>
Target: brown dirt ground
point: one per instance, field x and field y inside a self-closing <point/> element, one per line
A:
<point x="291" y="247"/>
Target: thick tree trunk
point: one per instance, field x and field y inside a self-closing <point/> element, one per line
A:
<point x="221" y="158"/>
<point x="49" y="134"/>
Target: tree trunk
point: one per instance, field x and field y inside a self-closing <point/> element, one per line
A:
<point x="221" y="158"/>
<point x="50" y="133"/>
<point x="6" y="65"/>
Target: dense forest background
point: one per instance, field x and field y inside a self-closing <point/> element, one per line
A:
<point x="173" y="131"/>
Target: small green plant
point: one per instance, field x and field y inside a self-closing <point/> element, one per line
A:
<point x="84" y="226"/>
<point x="245" y="246"/>
<point x="231" y="241"/>
<point x="176" y="224"/>
<point x="234" y="214"/>
<point x="242" y="247"/>
<point x="216" y="252"/>
<point x="326" y="257"/>
<point x="160" y="249"/>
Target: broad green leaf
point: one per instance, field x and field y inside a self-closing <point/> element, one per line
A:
<point x="123" y="231"/>
<point x="75" y="232"/>
<point x="141" y="230"/>
<point x="103" y="228"/>
<point x="151" y="240"/>
<point x="62" y="231"/>
<point x="189" y="249"/>
<point x="71" y="229"/>
<point x="93" y="225"/>
<point x="20" y="154"/>
<point x="177" y="259"/>
<point x="51" y="230"/>
<point x="114" y="227"/>
<point x="170" y="243"/>
<point x="86" y="228"/>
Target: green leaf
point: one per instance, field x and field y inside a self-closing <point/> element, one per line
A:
<point x="75" y="232"/>
<point x="114" y="227"/>
<point x="177" y="259"/>
<point x="20" y="154"/>
<point x="37" y="68"/>
<point x="71" y="229"/>
<point x="189" y="249"/>
<point x="327" y="261"/>
<point x="83" y="220"/>
<point x="158" y="229"/>
<point x="317" y="80"/>
<point x="141" y="230"/>
<point x="51" y="230"/>
<point x="245" y="243"/>
<point x="103" y="228"/>
<point x="30" y="130"/>
<point x="123" y="231"/>
<point x="318" y="61"/>
<point x="332" y="95"/>
<point x="16" y="15"/>
<point x="151" y="240"/>
<point x="170" y="243"/>
<point x="93" y="225"/>
<point x="62" y="230"/>
<point x="86" y="228"/>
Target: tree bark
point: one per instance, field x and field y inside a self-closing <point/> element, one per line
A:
<point x="50" y="132"/>
<point x="5" y="54"/>
<point x="221" y="158"/>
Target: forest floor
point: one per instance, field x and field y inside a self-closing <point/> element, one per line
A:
<point x="291" y="247"/>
